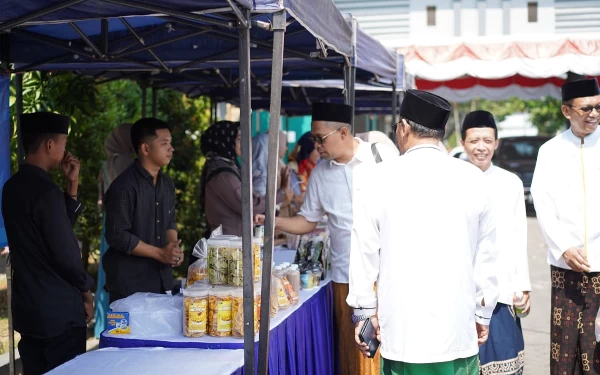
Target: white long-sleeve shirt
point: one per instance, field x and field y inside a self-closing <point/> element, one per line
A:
<point x="564" y="208"/>
<point x="330" y="190"/>
<point x="433" y="266"/>
<point x="508" y="204"/>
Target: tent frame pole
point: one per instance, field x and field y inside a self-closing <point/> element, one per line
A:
<point x="171" y="12"/>
<point x="279" y="26"/>
<point x="247" y="214"/>
<point x="21" y="20"/>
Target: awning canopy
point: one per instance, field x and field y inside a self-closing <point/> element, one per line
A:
<point x="499" y="71"/>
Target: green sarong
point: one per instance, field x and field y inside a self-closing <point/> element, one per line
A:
<point x="462" y="366"/>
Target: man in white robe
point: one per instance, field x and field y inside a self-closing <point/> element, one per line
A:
<point x="565" y="190"/>
<point x="435" y="269"/>
<point x="504" y="352"/>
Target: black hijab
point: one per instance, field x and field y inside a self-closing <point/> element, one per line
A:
<point x="218" y="145"/>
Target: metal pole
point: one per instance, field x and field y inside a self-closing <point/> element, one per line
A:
<point x="154" y="102"/>
<point x="144" y="91"/>
<point x="279" y="25"/>
<point x="247" y="215"/>
<point x="19" y="103"/>
<point x="394" y="102"/>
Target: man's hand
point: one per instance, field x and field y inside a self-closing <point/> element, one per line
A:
<point x="70" y="167"/>
<point x="363" y="347"/>
<point x="482" y="333"/>
<point x="171" y="254"/>
<point x="526" y="302"/>
<point x="577" y="260"/>
<point x="88" y="306"/>
<point x="259" y="219"/>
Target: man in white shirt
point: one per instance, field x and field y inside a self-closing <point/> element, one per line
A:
<point x="435" y="269"/>
<point x="565" y="190"/>
<point x="503" y="353"/>
<point x="330" y="191"/>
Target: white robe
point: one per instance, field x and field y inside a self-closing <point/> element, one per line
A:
<point x="508" y="204"/>
<point x="433" y="267"/>
<point x="564" y="209"/>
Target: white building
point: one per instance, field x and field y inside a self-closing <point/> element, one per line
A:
<point x="398" y="23"/>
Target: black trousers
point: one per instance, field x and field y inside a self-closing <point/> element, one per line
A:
<point x="39" y="356"/>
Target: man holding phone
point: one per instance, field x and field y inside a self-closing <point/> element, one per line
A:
<point x="51" y="300"/>
<point x="435" y="269"/>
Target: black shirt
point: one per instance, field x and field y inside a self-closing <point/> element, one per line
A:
<point x="137" y="210"/>
<point x="48" y="275"/>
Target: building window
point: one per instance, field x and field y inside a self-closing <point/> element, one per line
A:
<point x="431" y="16"/>
<point x="532" y="12"/>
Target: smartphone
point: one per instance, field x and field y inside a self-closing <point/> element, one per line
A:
<point x="368" y="335"/>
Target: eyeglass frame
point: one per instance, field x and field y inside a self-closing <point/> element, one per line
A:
<point x="587" y="109"/>
<point x="321" y="140"/>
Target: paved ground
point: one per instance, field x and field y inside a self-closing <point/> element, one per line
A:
<point x="536" y="326"/>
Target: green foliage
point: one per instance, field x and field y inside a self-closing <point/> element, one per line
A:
<point x="95" y="110"/>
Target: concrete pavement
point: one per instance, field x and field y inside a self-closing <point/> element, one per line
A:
<point x="536" y="326"/>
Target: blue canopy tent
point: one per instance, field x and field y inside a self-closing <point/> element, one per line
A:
<point x="208" y="41"/>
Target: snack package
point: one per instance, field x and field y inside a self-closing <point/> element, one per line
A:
<point x="236" y="263"/>
<point x="218" y="261"/>
<point x="195" y="312"/>
<point x="198" y="271"/>
<point x="219" y="312"/>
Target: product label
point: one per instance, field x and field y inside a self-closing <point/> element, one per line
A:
<point x="224" y="323"/>
<point x="197" y="320"/>
<point x="118" y="323"/>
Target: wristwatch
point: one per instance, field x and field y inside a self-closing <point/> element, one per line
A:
<point x="363" y="313"/>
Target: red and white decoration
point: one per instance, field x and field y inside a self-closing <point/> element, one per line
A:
<point x="498" y="71"/>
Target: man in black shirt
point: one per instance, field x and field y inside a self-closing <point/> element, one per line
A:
<point x="141" y="231"/>
<point x="51" y="297"/>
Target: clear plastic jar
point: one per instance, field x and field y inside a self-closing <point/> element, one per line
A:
<point x="219" y="312"/>
<point x="195" y="311"/>
<point x="307" y="280"/>
<point x="283" y="298"/>
<point x="293" y="276"/>
<point x="236" y="263"/>
<point x="218" y="261"/>
<point x="238" y="311"/>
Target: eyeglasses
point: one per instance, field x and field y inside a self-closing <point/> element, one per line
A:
<point x="319" y="139"/>
<point x="587" y="109"/>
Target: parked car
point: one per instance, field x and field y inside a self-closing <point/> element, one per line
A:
<point x="519" y="155"/>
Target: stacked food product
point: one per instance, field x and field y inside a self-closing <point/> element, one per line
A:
<point x="213" y="298"/>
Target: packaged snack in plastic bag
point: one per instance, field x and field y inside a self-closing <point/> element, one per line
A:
<point x="198" y="271"/>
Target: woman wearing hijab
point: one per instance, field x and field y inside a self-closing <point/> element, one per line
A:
<point x="119" y="156"/>
<point x="307" y="158"/>
<point x="221" y="183"/>
<point x="260" y="157"/>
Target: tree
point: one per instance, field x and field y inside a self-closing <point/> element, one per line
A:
<point x="95" y="110"/>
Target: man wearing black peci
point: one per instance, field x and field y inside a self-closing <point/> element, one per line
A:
<point x="51" y="297"/>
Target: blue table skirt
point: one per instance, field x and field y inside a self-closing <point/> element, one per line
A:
<point x="301" y="344"/>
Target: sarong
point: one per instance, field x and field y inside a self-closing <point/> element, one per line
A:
<point x="575" y="303"/>
<point x="350" y="360"/>
<point x="503" y="353"/>
<point x="461" y="366"/>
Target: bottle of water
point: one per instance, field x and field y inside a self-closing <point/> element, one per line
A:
<point x="520" y="305"/>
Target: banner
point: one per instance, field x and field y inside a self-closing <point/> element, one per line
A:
<point x="4" y="143"/>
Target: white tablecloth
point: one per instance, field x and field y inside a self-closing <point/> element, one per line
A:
<point x="281" y="316"/>
<point x="152" y="361"/>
